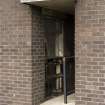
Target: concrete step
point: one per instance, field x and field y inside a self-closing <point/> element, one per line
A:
<point x="60" y="100"/>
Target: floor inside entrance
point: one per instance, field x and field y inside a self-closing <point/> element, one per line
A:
<point x="60" y="100"/>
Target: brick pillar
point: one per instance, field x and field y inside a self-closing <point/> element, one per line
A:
<point x="38" y="56"/>
<point x="90" y="52"/>
<point x="21" y="54"/>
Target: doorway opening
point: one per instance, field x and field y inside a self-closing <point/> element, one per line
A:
<point x="60" y="57"/>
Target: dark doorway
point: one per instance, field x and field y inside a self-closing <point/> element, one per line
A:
<point x="60" y="56"/>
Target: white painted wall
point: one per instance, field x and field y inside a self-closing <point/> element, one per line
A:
<point x="60" y="5"/>
<point x="25" y="1"/>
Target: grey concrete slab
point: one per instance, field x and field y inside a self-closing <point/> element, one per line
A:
<point x="60" y="100"/>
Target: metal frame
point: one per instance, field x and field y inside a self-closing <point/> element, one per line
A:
<point x="64" y="61"/>
<point x="64" y="80"/>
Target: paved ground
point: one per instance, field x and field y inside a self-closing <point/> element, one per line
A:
<point x="60" y="101"/>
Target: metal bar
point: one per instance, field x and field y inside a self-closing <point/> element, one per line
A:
<point x="64" y="80"/>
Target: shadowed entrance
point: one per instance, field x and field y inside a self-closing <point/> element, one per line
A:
<point x="60" y="57"/>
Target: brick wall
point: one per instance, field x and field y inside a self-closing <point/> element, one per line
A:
<point x="21" y="54"/>
<point x="38" y="56"/>
<point x="90" y="52"/>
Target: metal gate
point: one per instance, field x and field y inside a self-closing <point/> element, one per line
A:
<point x="68" y="76"/>
<point x="63" y="81"/>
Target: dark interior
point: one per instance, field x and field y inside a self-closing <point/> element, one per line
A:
<point x="59" y="33"/>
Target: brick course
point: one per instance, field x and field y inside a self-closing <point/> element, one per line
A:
<point x="21" y="54"/>
<point x="89" y="50"/>
<point x="38" y="56"/>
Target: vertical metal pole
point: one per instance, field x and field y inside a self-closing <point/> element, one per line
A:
<point x="64" y="80"/>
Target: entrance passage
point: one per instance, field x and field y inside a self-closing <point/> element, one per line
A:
<point x="60" y="59"/>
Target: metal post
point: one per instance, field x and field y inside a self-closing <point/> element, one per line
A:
<point x="64" y="80"/>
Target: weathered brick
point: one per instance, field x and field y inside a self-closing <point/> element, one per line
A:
<point x="85" y="99"/>
<point x="20" y="26"/>
<point x="89" y="49"/>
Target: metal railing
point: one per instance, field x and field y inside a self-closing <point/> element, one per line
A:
<point x="60" y="76"/>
